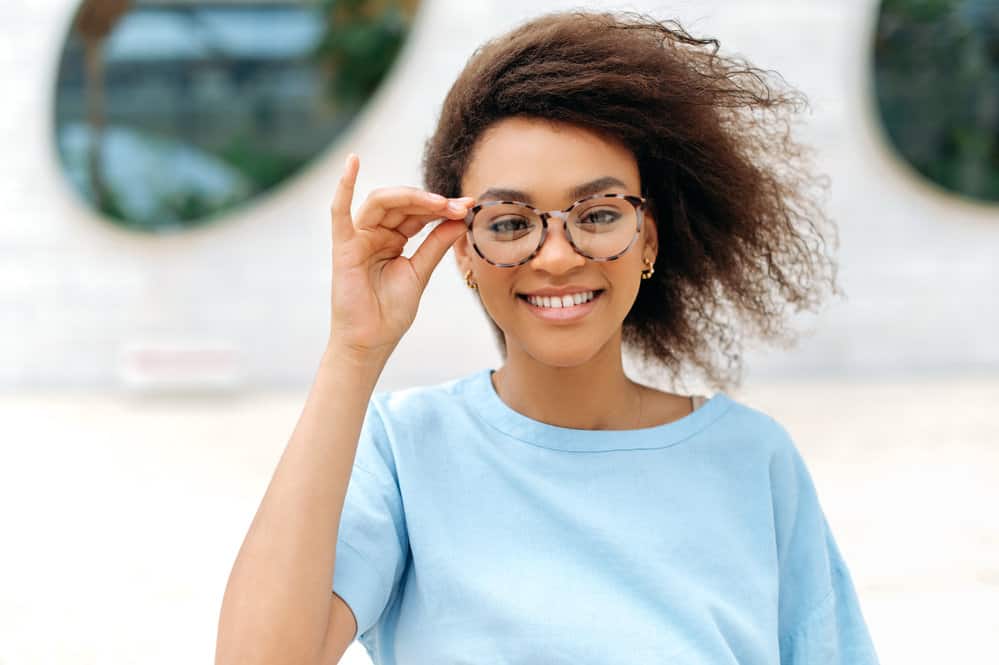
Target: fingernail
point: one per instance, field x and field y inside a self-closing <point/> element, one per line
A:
<point x="455" y="207"/>
<point x="436" y="198"/>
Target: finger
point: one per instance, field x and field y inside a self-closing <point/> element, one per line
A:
<point x="343" y="227"/>
<point x="384" y="199"/>
<point x="397" y="216"/>
<point x="432" y="250"/>
<point x="414" y="224"/>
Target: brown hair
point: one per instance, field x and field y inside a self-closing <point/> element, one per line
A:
<point x="737" y="207"/>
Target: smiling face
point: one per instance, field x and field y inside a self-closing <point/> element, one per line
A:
<point x="546" y="165"/>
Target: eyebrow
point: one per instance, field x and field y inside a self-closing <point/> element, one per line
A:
<point x="577" y="192"/>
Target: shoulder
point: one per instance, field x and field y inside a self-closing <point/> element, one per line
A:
<point x="751" y="426"/>
<point x="421" y="405"/>
<point x="791" y="484"/>
<point x="398" y="422"/>
<point x="742" y="433"/>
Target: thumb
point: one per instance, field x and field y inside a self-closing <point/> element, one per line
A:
<point x="435" y="246"/>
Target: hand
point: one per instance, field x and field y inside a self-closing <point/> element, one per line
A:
<point x="376" y="291"/>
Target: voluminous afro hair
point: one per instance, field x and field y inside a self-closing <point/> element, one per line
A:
<point x="742" y="233"/>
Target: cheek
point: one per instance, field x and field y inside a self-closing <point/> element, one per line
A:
<point x="496" y="287"/>
<point x="626" y="282"/>
<point x="625" y="276"/>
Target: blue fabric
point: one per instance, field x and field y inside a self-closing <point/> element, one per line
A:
<point x="474" y="534"/>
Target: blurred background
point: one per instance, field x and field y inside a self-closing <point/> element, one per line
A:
<point x="164" y="291"/>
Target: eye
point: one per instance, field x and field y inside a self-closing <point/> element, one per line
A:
<point x="509" y="226"/>
<point x="600" y="216"/>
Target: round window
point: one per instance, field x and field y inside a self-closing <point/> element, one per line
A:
<point x="169" y="112"/>
<point x="936" y="75"/>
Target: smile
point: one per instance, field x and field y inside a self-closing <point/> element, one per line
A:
<point x="561" y="301"/>
<point x="562" y="308"/>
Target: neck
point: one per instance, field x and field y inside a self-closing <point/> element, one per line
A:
<point x="593" y="395"/>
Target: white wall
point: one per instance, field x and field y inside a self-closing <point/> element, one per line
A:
<point x="918" y="267"/>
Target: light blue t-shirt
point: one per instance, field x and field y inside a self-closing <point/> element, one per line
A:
<point x="474" y="534"/>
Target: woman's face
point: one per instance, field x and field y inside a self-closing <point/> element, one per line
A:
<point x="543" y="163"/>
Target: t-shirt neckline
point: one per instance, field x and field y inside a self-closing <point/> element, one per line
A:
<point x="485" y="403"/>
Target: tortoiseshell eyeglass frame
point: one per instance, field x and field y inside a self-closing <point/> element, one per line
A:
<point x="639" y="202"/>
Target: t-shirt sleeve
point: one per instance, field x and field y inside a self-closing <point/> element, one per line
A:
<point x="372" y="541"/>
<point x="820" y="619"/>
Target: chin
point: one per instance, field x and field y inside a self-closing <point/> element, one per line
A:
<point x="560" y="353"/>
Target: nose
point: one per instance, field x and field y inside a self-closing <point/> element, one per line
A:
<point x="556" y="254"/>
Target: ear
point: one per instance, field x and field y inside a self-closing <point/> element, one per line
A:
<point x="462" y="254"/>
<point x="651" y="232"/>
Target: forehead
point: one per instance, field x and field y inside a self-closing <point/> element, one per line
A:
<point x="545" y="159"/>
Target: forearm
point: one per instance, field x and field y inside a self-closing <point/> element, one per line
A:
<point x="276" y="605"/>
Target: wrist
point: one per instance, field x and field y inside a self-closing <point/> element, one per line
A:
<point x="340" y="353"/>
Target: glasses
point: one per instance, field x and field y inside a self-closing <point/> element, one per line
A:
<point x="601" y="227"/>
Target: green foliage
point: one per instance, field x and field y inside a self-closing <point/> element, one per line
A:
<point x="921" y="10"/>
<point x="279" y="125"/>
<point x="937" y="86"/>
<point x="189" y="209"/>
<point x="108" y="205"/>
<point x="261" y="165"/>
<point x="358" y="47"/>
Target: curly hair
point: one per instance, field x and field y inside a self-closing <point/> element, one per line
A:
<point x="739" y="211"/>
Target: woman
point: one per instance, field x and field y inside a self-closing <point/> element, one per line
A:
<point x="604" y="179"/>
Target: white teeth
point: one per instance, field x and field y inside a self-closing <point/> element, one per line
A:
<point x="557" y="302"/>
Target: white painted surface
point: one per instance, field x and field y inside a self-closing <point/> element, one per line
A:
<point x="918" y="268"/>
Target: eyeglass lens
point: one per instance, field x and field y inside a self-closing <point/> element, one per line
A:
<point x="599" y="227"/>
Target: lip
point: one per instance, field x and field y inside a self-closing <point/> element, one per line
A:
<point x="565" y="290"/>
<point x="563" y="314"/>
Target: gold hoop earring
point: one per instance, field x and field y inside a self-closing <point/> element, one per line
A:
<point x="468" y="281"/>
<point x="648" y="273"/>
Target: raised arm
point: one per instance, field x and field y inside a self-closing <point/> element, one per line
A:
<point x="278" y="607"/>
